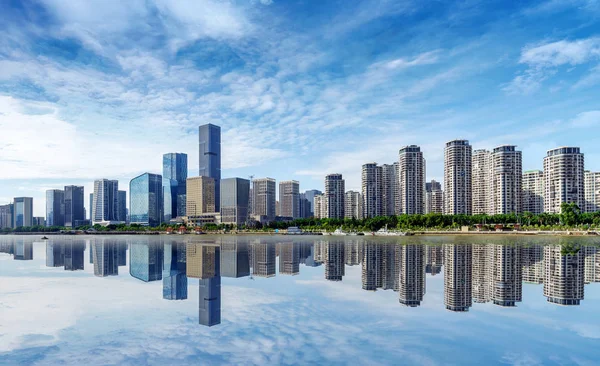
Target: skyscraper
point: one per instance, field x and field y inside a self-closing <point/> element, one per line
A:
<point x="305" y="206"/>
<point x="23" y="211"/>
<point x="146" y="260"/>
<point x="105" y="201"/>
<point x="310" y="196"/>
<point x="320" y="209"/>
<point x="6" y="216"/>
<point x="91" y="208"/>
<point x="146" y="200"/>
<point x="563" y="178"/>
<point x="533" y="191"/>
<point x="74" y="207"/>
<point x="264" y="198"/>
<point x="289" y="199"/>
<point x="434" y="198"/>
<point x="507" y="174"/>
<point x="200" y="196"/>
<point x="55" y="207"/>
<point x="122" y="206"/>
<point x="592" y="191"/>
<point x="210" y="157"/>
<point x="389" y="189"/>
<point x="235" y="195"/>
<point x="175" y="169"/>
<point x="457" y="277"/>
<point x="372" y="177"/>
<point x="353" y="202"/>
<point x="482" y="182"/>
<point x="457" y="177"/>
<point x="411" y="180"/>
<point x="335" y="193"/>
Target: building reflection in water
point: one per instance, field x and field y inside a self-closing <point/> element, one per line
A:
<point x="175" y="283"/>
<point x="433" y="259"/>
<point x="105" y="257"/>
<point x="289" y="259"/>
<point x="411" y="274"/>
<point x="564" y="275"/>
<point x="263" y="259"/>
<point x="457" y="276"/>
<point x="334" y="260"/>
<point x="73" y="252"/>
<point x="23" y="250"/>
<point x="235" y="258"/>
<point x="55" y="254"/>
<point x="145" y="260"/>
<point x="204" y="262"/>
<point x="533" y="264"/>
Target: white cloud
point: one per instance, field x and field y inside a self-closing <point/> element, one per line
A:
<point x="561" y="53"/>
<point x="586" y="119"/>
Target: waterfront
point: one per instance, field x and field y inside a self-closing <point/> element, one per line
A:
<point x="305" y="299"/>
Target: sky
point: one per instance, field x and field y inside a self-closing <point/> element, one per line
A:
<point x="301" y="89"/>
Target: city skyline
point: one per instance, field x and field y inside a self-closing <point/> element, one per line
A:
<point x="292" y="104"/>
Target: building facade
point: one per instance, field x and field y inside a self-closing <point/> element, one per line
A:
<point x="200" y="196"/>
<point x="22" y="212"/>
<point x="533" y="191"/>
<point x="310" y="196"/>
<point x="353" y="202"/>
<point x="372" y="176"/>
<point x="481" y="174"/>
<point x="563" y="276"/>
<point x="175" y="172"/>
<point x="235" y="196"/>
<point x="592" y="191"/>
<point x="74" y="206"/>
<point x="411" y="180"/>
<point x="507" y="174"/>
<point x="335" y="194"/>
<point x="146" y="200"/>
<point x="457" y="177"/>
<point x="210" y="157"/>
<point x="289" y="199"/>
<point x="458" y="277"/>
<point x="105" y="201"/>
<point x="389" y="189"/>
<point x="6" y="216"/>
<point x="563" y="178"/>
<point x="320" y="211"/>
<point x="434" y="198"/>
<point x="55" y="207"/>
<point x="264" y="199"/>
<point x="122" y="206"/>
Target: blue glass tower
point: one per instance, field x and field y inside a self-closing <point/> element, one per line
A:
<point x="74" y="208"/>
<point x="174" y="276"/>
<point x="175" y="170"/>
<point x="55" y="207"/>
<point x="146" y="200"/>
<point x="210" y="157"/>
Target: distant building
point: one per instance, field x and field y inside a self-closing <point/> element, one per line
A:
<point x="372" y="177"/>
<point x="55" y="207"/>
<point x="305" y="206"/>
<point x="563" y="178"/>
<point x="320" y="210"/>
<point x="533" y="191"/>
<point x="235" y="195"/>
<point x="6" y="216"/>
<point x="335" y="192"/>
<point x="411" y="178"/>
<point x="264" y="201"/>
<point x="310" y="196"/>
<point x="506" y="180"/>
<point x="39" y="221"/>
<point x="434" y="198"/>
<point x="592" y="191"/>
<point x="482" y="182"/>
<point x="389" y="189"/>
<point x="200" y="196"/>
<point x="23" y="211"/>
<point x="105" y="201"/>
<point x="146" y="260"/>
<point x="146" y="200"/>
<point x="210" y="157"/>
<point x="74" y="206"/>
<point x="289" y="199"/>
<point x="353" y="202"/>
<point x="175" y="172"/>
<point x="122" y="206"/>
<point x="564" y="275"/>
<point x="457" y="177"/>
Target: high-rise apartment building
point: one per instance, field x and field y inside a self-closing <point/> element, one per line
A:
<point x="592" y="191"/>
<point x="335" y="193"/>
<point x="320" y="210"/>
<point x="210" y="157"/>
<point x="507" y="173"/>
<point x="235" y="196"/>
<point x="564" y="275"/>
<point x="563" y="178"/>
<point x="175" y="172"/>
<point x="289" y="199"/>
<point x="264" y="201"/>
<point x="91" y="209"/>
<point x="74" y="207"/>
<point x="372" y="176"/>
<point x="310" y="196"/>
<point x="389" y="189"/>
<point x="353" y="202"/>
<point x="457" y="177"/>
<point x="434" y="198"/>
<point x="55" y="207"/>
<point x="22" y="211"/>
<point x="481" y="174"/>
<point x="411" y="180"/>
<point x="458" y="277"/>
<point x="533" y="191"/>
<point x="200" y="196"/>
<point x="105" y="201"/>
<point x="146" y="200"/>
<point x="6" y="216"/>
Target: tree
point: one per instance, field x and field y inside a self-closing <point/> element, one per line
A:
<point x="569" y="214"/>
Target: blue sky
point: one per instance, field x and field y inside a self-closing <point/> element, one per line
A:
<point x="101" y="89"/>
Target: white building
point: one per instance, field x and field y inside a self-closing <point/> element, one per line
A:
<point x="592" y="191"/>
<point x="563" y="178"/>
<point x="289" y="199"/>
<point x="353" y="205"/>
<point x="457" y="177"/>
<point x="372" y="183"/>
<point x="533" y="191"/>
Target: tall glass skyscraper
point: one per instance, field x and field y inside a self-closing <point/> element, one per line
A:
<point x="146" y="200"/>
<point x="23" y="211"/>
<point x="74" y="211"/>
<point x="210" y="157"/>
<point x="175" y="170"/>
<point x="55" y="207"/>
<point x="105" y="201"/>
<point x="234" y="200"/>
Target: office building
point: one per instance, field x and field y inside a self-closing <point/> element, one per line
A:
<point x="564" y="274"/>
<point x="506" y="180"/>
<point x="482" y="182"/>
<point x="411" y="180"/>
<point x="146" y="200"/>
<point x="210" y="157"/>
<point x="105" y="201"/>
<point x="434" y="198"/>
<point x="335" y="193"/>
<point x="200" y="196"/>
<point x="23" y="212"/>
<point x="175" y="173"/>
<point x="563" y="178"/>
<point x="305" y="206"/>
<point x="263" y="259"/>
<point x="411" y="284"/>
<point x="235" y="201"/>
<point x="55" y="207"/>
<point x="289" y="259"/>
<point x="146" y="259"/>
<point x="457" y="177"/>
<point x="353" y="202"/>
<point x="592" y="192"/>
<point x="105" y="257"/>
<point x="533" y="191"/>
<point x="122" y="206"/>
<point x="310" y="196"/>
<point x="372" y="182"/>
<point x="389" y="189"/>
<point x="457" y="276"/>
<point x="6" y="216"/>
<point x="320" y="210"/>
<point x="289" y="199"/>
<point x="235" y="256"/>
<point x="74" y="207"/>
<point x="334" y="260"/>
<point x="264" y="201"/>
<point x="175" y="283"/>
